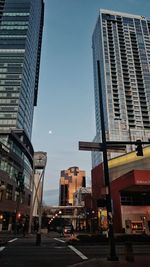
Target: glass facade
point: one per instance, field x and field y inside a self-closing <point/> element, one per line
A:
<point x="70" y="181"/>
<point x="121" y="42"/>
<point x="21" y="24"/>
<point x="21" y="27"/>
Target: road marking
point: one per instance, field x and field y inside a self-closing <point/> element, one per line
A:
<point x="12" y="240"/>
<point x="1" y="248"/>
<point x="57" y="239"/>
<point x="82" y="256"/>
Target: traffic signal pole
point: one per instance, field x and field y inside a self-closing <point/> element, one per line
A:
<point x="104" y="146"/>
<point x="112" y="256"/>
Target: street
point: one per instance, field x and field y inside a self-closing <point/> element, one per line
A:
<point x="54" y="251"/>
<point x="24" y="252"/>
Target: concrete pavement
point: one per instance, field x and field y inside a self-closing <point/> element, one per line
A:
<point x="139" y="261"/>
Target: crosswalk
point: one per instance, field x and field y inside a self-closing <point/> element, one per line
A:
<point x="2" y="248"/>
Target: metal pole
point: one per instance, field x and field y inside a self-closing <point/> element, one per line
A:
<point x="41" y="202"/>
<point x="34" y="189"/>
<point x="113" y="256"/>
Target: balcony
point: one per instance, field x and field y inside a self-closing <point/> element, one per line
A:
<point x="145" y="120"/>
<point x="143" y="105"/>
<point x="130" y="108"/>
<point x="144" y="112"/>
<point x="113" y="71"/>
<point x="114" y="83"/>
<point x="115" y="88"/>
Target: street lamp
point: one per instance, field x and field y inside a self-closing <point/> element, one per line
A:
<point x="60" y="212"/>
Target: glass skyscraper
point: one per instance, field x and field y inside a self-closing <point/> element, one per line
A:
<point x="21" y="27"/>
<point x="20" y="41"/>
<point x="70" y="181"/>
<point x="121" y="42"/>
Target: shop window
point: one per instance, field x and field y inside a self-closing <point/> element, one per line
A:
<point x="135" y="198"/>
<point x="137" y="226"/>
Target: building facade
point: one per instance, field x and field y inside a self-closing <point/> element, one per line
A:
<point x="121" y="43"/>
<point x="20" y="43"/>
<point x="70" y="181"/>
<point x="21" y="26"/>
<point x="121" y="47"/>
<point x="130" y="192"/>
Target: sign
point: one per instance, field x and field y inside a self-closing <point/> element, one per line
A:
<point x="143" y="182"/>
<point x="111" y="146"/>
<point x="90" y="146"/>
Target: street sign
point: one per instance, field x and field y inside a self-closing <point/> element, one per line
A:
<point x="112" y="146"/>
<point x="116" y="147"/>
<point x="93" y="146"/>
<point x="90" y="146"/>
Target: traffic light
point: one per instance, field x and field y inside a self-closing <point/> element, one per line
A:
<point x="18" y="215"/>
<point x="139" y="148"/>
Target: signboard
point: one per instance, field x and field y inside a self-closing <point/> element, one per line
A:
<point x="93" y="146"/>
<point x="90" y="146"/>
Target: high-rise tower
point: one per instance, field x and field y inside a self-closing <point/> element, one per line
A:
<point x="21" y="27"/>
<point x="21" y="24"/>
<point x="121" y="42"/>
<point x="70" y="181"/>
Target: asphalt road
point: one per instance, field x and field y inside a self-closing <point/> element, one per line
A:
<point x="54" y="251"/>
<point x="23" y="252"/>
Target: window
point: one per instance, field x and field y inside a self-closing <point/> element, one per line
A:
<point x="2" y="189"/>
<point x="135" y="198"/>
<point x="9" y="191"/>
<point x="16" y="196"/>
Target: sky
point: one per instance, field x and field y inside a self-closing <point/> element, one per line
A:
<point x="65" y="113"/>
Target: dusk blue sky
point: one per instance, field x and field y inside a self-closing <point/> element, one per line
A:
<point x="66" y="90"/>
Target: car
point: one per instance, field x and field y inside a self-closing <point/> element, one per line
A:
<point x="67" y="230"/>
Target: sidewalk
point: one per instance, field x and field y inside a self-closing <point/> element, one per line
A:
<point x="139" y="261"/>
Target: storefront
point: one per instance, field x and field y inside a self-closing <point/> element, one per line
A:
<point x="131" y="202"/>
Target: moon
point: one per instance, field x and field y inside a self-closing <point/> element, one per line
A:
<point x="50" y="132"/>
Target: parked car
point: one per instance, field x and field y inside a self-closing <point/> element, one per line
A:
<point x="68" y="230"/>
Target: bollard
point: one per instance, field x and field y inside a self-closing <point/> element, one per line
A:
<point x="129" y="255"/>
<point x="38" y="239"/>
